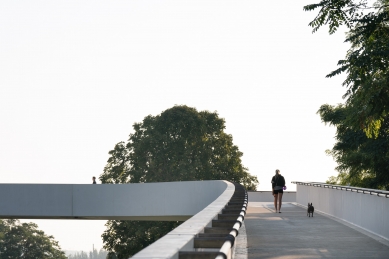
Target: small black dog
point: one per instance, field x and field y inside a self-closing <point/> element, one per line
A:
<point x="310" y="210"/>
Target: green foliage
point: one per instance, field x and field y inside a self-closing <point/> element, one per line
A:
<point x="111" y="255"/>
<point x="25" y="241"/>
<point x="180" y="144"/>
<point x="336" y="13"/>
<point x="142" y="233"/>
<point x="362" y="161"/>
<point x="366" y="62"/>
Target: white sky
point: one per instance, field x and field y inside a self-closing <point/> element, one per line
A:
<point x="76" y="75"/>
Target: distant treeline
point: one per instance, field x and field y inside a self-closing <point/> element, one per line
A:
<point x="90" y="255"/>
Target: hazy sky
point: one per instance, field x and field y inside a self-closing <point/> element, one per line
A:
<point x="76" y="75"/>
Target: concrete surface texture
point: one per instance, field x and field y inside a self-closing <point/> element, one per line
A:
<point x="292" y="235"/>
<point x="240" y="246"/>
<point x="144" y="201"/>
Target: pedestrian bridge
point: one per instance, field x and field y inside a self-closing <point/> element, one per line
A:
<point x="348" y="222"/>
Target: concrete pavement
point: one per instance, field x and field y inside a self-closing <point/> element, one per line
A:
<point x="292" y="235"/>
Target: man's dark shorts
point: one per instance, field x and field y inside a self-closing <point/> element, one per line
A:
<point x="278" y="191"/>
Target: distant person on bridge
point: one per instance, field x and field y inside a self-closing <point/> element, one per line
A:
<point x="278" y="183"/>
<point x="94" y="180"/>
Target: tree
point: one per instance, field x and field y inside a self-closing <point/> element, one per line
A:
<point x="111" y="255"/>
<point x="366" y="62"/>
<point x="25" y="241"/>
<point x="180" y="144"/>
<point x="127" y="238"/>
<point x="362" y="161"/>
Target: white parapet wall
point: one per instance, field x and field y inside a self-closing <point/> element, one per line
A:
<point x="143" y="201"/>
<point x="197" y="203"/>
<point x="365" y="208"/>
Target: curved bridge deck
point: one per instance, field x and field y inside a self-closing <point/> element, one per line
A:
<point x="292" y="235"/>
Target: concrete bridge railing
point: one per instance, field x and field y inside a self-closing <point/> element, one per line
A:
<point x="365" y="208"/>
<point x="182" y="238"/>
<point x="203" y="205"/>
<point x="168" y="201"/>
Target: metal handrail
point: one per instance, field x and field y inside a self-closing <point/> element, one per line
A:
<point x="379" y="193"/>
<point x="229" y="243"/>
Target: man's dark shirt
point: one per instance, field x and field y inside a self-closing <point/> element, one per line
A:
<point x="278" y="180"/>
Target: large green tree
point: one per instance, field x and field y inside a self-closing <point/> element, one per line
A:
<point x="362" y="161"/>
<point x="367" y="61"/>
<point x="361" y="150"/>
<point x="180" y="144"/>
<point x="25" y="241"/>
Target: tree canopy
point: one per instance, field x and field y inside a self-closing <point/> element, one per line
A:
<point x="361" y="150"/>
<point x="180" y="144"/>
<point x="362" y="161"/>
<point x="25" y="241"/>
<point x="367" y="61"/>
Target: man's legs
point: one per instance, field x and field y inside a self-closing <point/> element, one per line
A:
<point x="275" y="201"/>
<point x="279" y="201"/>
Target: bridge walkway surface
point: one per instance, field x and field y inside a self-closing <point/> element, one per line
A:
<point x="291" y="234"/>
